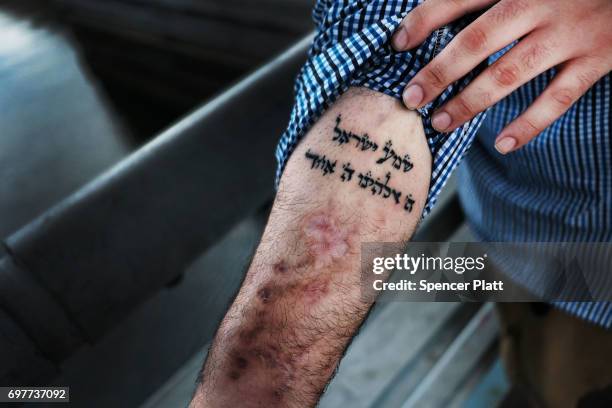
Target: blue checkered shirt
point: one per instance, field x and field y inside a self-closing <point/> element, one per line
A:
<point x="557" y="188"/>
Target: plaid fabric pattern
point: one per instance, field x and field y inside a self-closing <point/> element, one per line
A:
<point x="547" y="191"/>
<point x="558" y="188"/>
<point x="351" y="48"/>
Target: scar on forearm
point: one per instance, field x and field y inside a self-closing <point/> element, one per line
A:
<point x="270" y="351"/>
<point x="326" y="240"/>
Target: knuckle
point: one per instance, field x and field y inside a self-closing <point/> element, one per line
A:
<point x="435" y="75"/>
<point x="505" y="74"/>
<point x="534" y="55"/>
<point x="417" y="17"/>
<point x="508" y="9"/>
<point x="586" y="78"/>
<point x="464" y="108"/>
<point x="459" y="4"/>
<point x="474" y="39"/>
<point x="418" y="23"/>
<point x="564" y="97"/>
<point x="527" y="127"/>
<point x="486" y="99"/>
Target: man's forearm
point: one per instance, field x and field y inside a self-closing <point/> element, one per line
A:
<point x="361" y="175"/>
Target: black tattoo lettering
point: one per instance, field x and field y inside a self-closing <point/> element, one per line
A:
<point x="321" y="162"/>
<point x="365" y="180"/>
<point x="377" y="187"/>
<point x="409" y="203"/>
<point x="386" y="191"/>
<point x="343" y="137"/>
<point x="347" y="174"/>
<point x="397" y="162"/>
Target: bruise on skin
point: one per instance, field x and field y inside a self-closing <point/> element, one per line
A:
<point x="280" y="267"/>
<point x="315" y="290"/>
<point x="309" y="289"/>
<point x="278" y="393"/>
<point x="265" y="293"/>
<point x="304" y="263"/>
<point x="249" y="335"/>
<point x="265" y="344"/>
<point x="283" y="268"/>
<point x="241" y="362"/>
<point x="266" y="356"/>
<point x="326" y="241"/>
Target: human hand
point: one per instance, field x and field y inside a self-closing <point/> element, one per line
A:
<point x="574" y="36"/>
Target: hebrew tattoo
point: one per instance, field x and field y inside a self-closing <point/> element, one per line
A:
<point x="321" y="162"/>
<point x="397" y="161"/>
<point x="378" y="187"/>
<point x="343" y="136"/>
<point x="347" y="174"/>
<point x="409" y="203"/>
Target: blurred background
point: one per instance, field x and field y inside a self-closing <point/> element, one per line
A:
<point x="135" y="66"/>
<point x="136" y="171"/>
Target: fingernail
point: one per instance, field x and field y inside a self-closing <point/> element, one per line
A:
<point x="441" y="121"/>
<point x="400" y="39"/>
<point x="413" y="95"/>
<point x="505" y="144"/>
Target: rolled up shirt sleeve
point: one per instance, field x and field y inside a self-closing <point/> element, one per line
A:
<point x="352" y="48"/>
